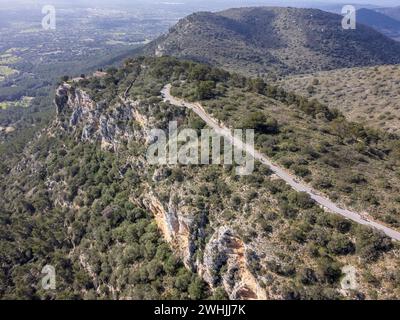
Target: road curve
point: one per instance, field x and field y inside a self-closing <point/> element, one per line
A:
<point x="280" y="172"/>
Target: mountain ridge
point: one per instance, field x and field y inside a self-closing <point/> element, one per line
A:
<point x="86" y="201"/>
<point x="274" y="40"/>
<point x="393" y="12"/>
<point x="380" y="22"/>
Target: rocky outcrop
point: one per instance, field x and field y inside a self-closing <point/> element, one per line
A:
<point x="225" y="261"/>
<point x="97" y="125"/>
<point x="221" y="261"/>
<point x="175" y="227"/>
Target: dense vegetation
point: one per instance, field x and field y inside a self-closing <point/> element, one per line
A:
<point x="118" y="240"/>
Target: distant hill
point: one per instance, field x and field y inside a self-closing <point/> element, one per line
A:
<point x="391" y="12"/>
<point x="272" y="40"/>
<point x="380" y="22"/>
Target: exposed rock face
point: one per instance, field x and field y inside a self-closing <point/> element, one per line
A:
<point x="227" y="250"/>
<point x="7" y="130"/>
<point x="224" y="258"/>
<point x="175" y="227"/>
<point x="96" y="124"/>
<point x="224" y="250"/>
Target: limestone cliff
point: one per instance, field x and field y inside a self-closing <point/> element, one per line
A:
<point x="98" y="121"/>
<point x="223" y="249"/>
<point x="226" y="249"/>
<point x="222" y="259"/>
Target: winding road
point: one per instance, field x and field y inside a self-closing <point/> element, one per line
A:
<point x="291" y="180"/>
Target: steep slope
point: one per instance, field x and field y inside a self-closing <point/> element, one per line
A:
<point x="380" y="22"/>
<point x="70" y="204"/>
<point x="84" y="199"/>
<point x="269" y="40"/>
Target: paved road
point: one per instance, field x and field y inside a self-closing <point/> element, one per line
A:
<point x="297" y="185"/>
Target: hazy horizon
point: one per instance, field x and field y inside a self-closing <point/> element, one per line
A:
<point x="197" y="3"/>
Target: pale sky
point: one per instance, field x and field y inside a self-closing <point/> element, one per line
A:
<point x="203" y="3"/>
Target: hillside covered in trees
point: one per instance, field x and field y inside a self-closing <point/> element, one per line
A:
<point x="82" y="197"/>
<point x="273" y="41"/>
